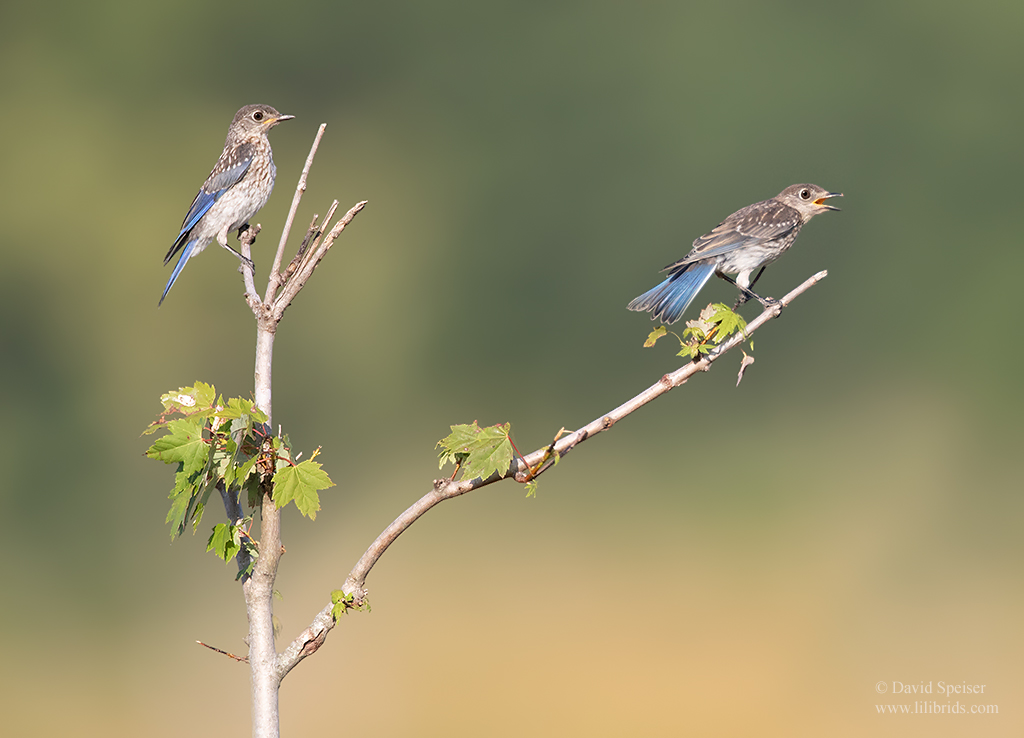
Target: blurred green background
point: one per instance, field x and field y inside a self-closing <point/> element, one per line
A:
<point x="728" y="561"/>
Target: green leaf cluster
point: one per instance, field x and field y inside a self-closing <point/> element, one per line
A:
<point x="715" y="323"/>
<point x="228" y="445"/>
<point x="344" y="602"/>
<point x="478" y="452"/>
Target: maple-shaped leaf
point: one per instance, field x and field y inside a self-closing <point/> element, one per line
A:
<point x="182" y="444"/>
<point x="481" y="451"/>
<point x="301" y="484"/>
<point x="225" y="541"/>
<point x="728" y="322"/>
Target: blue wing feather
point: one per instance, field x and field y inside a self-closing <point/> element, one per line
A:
<point x="230" y="169"/>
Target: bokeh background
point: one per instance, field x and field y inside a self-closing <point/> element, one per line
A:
<point x="728" y="561"/>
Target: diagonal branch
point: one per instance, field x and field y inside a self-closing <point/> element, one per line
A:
<point x="668" y="382"/>
<point x="522" y="470"/>
<point x="311" y="260"/>
<point x="313" y="236"/>
<point x="243" y="659"/>
<point x="275" y="273"/>
<point x="307" y="250"/>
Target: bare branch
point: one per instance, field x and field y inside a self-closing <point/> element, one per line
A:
<point x="747" y="361"/>
<point x="275" y="277"/>
<point x="243" y="659"/>
<point x="312" y="233"/>
<point x="308" y="248"/>
<point x="669" y="381"/>
<point x="310" y="262"/>
<point x="248" y="237"/>
<point x="522" y="470"/>
<point x="307" y="643"/>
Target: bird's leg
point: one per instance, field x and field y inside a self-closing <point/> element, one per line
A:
<point x="222" y="239"/>
<point x="746" y="293"/>
<point x="743" y="297"/>
<point x="754" y="280"/>
<point x="247" y="262"/>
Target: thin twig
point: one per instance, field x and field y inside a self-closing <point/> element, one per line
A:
<point x="308" y="251"/>
<point x="521" y="470"/>
<point x="243" y="659"/>
<point x="275" y="279"/>
<point x="323" y="228"/>
<point x="310" y="262"/>
<point x="312" y="233"/>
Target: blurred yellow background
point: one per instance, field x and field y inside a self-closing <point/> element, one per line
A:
<point x="727" y="561"/>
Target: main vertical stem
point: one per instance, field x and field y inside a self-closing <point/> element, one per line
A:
<point x="266" y="329"/>
<point x="259" y="588"/>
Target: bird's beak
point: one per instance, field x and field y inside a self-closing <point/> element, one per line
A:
<point x="274" y="121"/>
<point x="821" y="200"/>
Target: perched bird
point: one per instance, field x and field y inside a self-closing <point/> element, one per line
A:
<point x="750" y="239"/>
<point x="239" y="185"/>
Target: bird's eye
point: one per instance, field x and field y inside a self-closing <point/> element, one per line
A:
<point x="259" y="116"/>
<point x="805" y="194"/>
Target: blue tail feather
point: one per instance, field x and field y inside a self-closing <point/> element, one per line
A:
<point x="185" y="254"/>
<point x="670" y="299"/>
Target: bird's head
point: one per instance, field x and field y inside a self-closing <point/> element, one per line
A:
<point x="809" y="199"/>
<point x="257" y="119"/>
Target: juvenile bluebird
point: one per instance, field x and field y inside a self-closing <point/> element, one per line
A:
<point x="239" y="185"/>
<point x="750" y="239"/>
